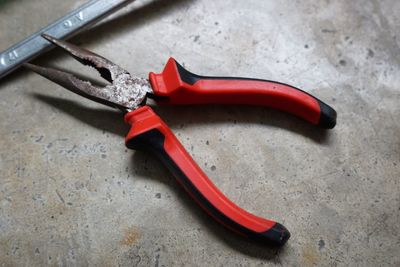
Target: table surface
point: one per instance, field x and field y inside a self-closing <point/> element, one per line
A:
<point x="71" y="194"/>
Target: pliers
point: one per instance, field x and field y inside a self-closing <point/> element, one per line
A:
<point x="176" y="85"/>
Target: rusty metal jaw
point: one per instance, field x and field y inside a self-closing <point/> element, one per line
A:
<point x="124" y="91"/>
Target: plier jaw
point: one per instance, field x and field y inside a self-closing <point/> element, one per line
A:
<point x="175" y="85"/>
<point x="124" y="91"/>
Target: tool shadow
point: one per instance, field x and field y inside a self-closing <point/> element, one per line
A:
<point x="236" y="242"/>
<point x="112" y="121"/>
<point x="175" y="116"/>
<point x="178" y="116"/>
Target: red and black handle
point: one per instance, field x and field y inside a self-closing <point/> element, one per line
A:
<point x="149" y="132"/>
<point x="175" y="85"/>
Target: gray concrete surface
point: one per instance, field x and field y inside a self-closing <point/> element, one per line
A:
<point x="72" y="195"/>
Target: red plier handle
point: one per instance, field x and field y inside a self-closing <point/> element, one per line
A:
<point x="149" y="132"/>
<point x="176" y="85"/>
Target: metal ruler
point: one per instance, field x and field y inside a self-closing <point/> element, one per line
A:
<point x="65" y="27"/>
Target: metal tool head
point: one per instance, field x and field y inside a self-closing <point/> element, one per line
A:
<point x="124" y="91"/>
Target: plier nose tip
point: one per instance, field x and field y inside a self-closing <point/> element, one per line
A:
<point x="107" y="69"/>
<point x="75" y="84"/>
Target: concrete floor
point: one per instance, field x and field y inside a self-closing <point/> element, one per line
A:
<point x="71" y="194"/>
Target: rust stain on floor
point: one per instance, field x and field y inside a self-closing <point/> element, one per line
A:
<point x="310" y="256"/>
<point x="131" y="235"/>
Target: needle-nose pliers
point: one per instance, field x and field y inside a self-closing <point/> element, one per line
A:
<point x="176" y="85"/>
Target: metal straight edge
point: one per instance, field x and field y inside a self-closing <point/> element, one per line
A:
<point x="75" y="21"/>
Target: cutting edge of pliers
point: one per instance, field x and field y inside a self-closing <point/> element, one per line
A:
<point x="176" y="85"/>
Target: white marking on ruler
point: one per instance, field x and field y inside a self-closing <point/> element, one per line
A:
<point x="13" y="55"/>
<point x="80" y="16"/>
<point x="67" y="23"/>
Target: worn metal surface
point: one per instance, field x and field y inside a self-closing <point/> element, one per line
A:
<point x="124" y="91"/>
<point x="71" y="194"/>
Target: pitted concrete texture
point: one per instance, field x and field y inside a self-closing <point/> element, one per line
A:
<point x="71" y="194"/>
